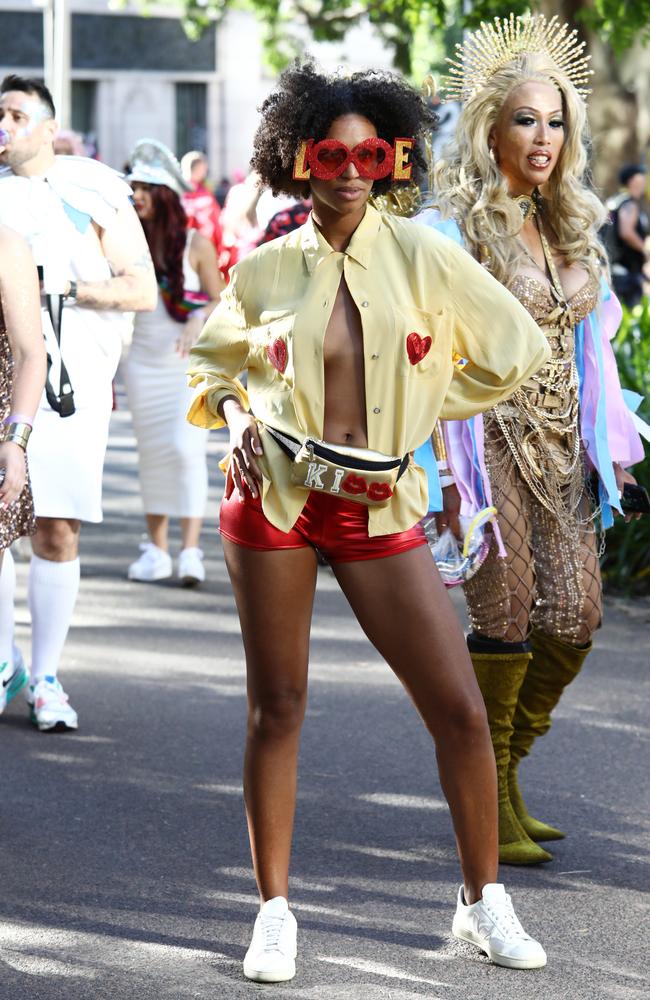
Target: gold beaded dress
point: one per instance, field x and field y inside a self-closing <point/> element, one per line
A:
<point x="17" y="518"/>
<point x="536" y="466"/>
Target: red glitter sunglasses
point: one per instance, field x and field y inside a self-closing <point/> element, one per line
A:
<point x="374" y="159"/>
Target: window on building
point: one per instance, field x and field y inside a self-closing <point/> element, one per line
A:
<point x="84" y="102"/>
<point x="191" y="117"/>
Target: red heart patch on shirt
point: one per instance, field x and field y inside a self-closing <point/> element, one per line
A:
<point x="277" y="354"/>
<point x="417" y="347"/>
<point x="354" y="484"/>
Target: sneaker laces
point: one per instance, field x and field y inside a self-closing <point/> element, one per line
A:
<point x="506" y="920"/>
<point x="150" y="555"/>
<point x="271" y="928"/>
<point x="51" y="690"/>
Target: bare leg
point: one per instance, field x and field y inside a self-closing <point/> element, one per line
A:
<point x="274" y="592"/>
<point x="56" y="539"/>
<point x="402" y="605"/>
<point x="158" y="526"/>
<point x="191" y="532"/>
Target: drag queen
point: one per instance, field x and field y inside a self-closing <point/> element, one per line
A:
<point x="171" y="455"/>
<point x="22" y="377"/>
<point x="356" y="330"/>
<point x="553" y="457"/>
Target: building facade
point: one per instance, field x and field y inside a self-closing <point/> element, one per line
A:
<point x="135" y="76"/>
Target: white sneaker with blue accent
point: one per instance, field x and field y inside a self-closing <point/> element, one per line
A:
<point x="492" y="925"/>
<point x="13" y="678"/>
<point x="50" y="708"/>
<point x="271" y="957"/>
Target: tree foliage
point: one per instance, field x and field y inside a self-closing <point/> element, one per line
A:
<point x="290" y="24"/>
<point x="620" y="22"/>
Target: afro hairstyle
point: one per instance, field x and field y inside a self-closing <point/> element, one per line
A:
<point x="307" y="101"/>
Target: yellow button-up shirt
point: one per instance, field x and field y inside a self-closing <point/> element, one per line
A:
<point x="409" y="284"/>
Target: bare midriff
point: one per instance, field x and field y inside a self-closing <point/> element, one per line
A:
<point x="345" y="390"/>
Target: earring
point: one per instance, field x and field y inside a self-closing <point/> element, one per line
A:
<point x="493" y="156"/>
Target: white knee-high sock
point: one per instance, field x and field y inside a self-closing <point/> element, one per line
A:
<point x="52" y="595"/>
<point x="7" y="594"/>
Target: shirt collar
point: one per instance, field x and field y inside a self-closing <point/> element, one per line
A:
<point x="315" y="247"/>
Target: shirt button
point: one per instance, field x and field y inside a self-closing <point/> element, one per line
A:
<point x="377" y="409"/>
<point x="325" y="303"/>
<point x="374" y="357"/>
<point x="365" y="303"/>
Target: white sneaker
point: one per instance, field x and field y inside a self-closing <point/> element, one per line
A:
<point x="492" y="925"/>
<point x="12" y="680"/>
<point x="50" y="708"/>
<point x="271" y="957"/>
<point x="190" y="567"/>
<point x="153" y="564"/>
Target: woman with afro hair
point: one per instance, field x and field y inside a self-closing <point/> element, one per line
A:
<point x="356" y="331"/>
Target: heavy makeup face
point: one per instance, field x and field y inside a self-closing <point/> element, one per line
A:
<point x="349" y="192"/>
<point x="29" y="125"/>
<point x="142" y="201"/>
<point x="528" y="136"/>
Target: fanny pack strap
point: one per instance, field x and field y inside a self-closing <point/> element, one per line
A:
<point x="290" y="446"/>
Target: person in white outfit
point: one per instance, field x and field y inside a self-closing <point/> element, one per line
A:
<point x="172" y="453"/>
<point x="83" y="232"/>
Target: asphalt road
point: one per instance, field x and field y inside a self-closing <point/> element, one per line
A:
<point x="124" y="870"/>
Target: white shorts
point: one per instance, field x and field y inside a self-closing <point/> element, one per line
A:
<point x="66" y="461"/>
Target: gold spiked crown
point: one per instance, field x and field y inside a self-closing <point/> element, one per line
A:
<point x="494" y="45"/>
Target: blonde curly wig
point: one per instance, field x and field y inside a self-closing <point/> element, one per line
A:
<point x="469" y="186"/>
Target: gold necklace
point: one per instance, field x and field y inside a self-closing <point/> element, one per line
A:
<point x="550" y="263"/>
<point x="556" y="284"/>
<point x="527" y="206"/>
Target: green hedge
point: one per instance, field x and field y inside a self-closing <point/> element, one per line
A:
<point x="626" y="563"/>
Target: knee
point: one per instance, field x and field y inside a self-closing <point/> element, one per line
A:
<point x="56" y="539"/>
<point x="465" y="721"/>
<point x="277" y="714"/>
<point x="586" y="628"/>
<point x="593" y="619"/>
<point x="580" y="632"/>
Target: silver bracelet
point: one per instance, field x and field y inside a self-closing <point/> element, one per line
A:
<point x="17" y="434"/>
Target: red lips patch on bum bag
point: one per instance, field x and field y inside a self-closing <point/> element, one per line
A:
<point x="356" y="474"/>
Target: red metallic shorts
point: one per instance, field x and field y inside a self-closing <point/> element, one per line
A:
<point x="337" y="528"/>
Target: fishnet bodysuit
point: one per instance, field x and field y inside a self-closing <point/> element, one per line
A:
<point x="550" y="578"/>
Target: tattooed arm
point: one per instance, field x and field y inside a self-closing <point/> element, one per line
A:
<point x="133" y="285"/>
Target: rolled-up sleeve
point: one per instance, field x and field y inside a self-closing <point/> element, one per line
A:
<point x="497" y="344"/>
<point x="218" y="357"/>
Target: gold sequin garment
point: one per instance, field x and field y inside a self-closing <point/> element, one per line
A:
<point x="539" y="424"/>
<point x="18" y="518"/>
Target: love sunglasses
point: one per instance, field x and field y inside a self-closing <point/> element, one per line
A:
<point x="374" y="159"/>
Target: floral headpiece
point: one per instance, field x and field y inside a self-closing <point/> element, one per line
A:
<point x="494" y="45"/>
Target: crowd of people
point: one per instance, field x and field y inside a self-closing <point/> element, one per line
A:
<point x="477" y="334"/>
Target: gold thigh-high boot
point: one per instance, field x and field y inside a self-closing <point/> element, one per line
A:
<point x="555" y="664"/>
<point x="499" y="676"/>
